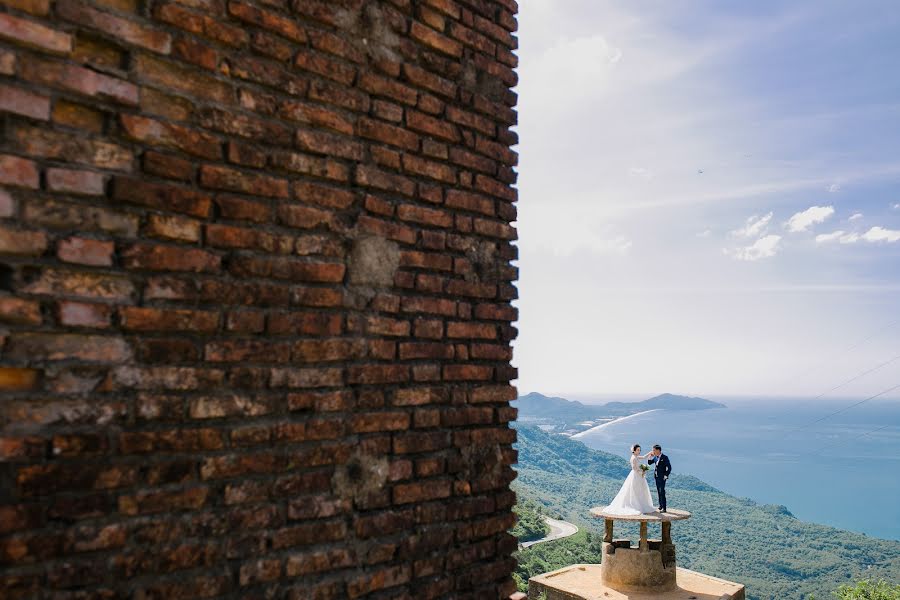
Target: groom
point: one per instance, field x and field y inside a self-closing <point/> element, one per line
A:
<point x="661" y="474"/>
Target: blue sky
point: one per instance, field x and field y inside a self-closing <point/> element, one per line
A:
<point x="710" y="196"/>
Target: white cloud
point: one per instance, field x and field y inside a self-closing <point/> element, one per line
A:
<point x="834" y="188"/>
<point x="705" y="233"/>
<point x="765" y="247"/>
<point x="873" y="235"/>
<point x="855" y="216"/>
<point x="896" y="206"/>
<point x="837" y="236"/>
<point x="754" y="226"/>
<point x="880" y="234"/>
<point x="813" y="215"/>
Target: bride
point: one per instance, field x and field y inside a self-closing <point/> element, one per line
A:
<point x="634" y="497"/>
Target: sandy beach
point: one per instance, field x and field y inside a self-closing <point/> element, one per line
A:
<point x="619" y="420"/>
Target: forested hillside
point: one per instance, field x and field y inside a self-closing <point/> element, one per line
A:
<point x="777" y="556"/>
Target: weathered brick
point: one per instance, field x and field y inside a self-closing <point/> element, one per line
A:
<point x="21" y="102"/>
<point x="80" y="80"/>
<point x="64" y="215"/>
<point x="73" y="148"/>
<point x="17" y="379"/>
<point x="18" y="172"/>
<point x="124" y="29"/>
<point x="76" y="182"/>
<point x="85" y="251"/>
<point x="135" y="318"/>
<point x="20" y="311"/>
<point x="26" y="243"/>
<point x="33" y="34"/>
<point x="150" y="131"/>
<point x="79" y="314"/>
<point x="48" y="346"/>
<point x="224" y="178"/>
<point x="169" y="258"/>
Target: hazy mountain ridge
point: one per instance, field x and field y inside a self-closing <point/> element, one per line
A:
<point x="561" y="414"/>
<point x="763" y="546"/>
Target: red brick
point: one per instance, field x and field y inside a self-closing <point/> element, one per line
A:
<point x="135" y="318"/>
<point x="126" y="30"/>
<point x="78" y="314"/>
<point x="469" y="201"/>
<point x="388" y="134"/>
<point x="73" y="181"/>
<point x="18" y="379"/>
<point x="428" y="168"/>
<point x="325" y="66"/>
<point x="49" y="346"/>
<point x="288" y="268"/>
<point x="26" y="243"/>
<point x="149" y="502"/>
<point x="467" y="373"/>
<point x="429" y="81"/>
<point x="328" y="197"/>
<point x="173" y="227"/>
<point x="471" y="330"/>
<point x="157" y="133"/>
<point x="84" y="251"/>
<point x="435" y="40"/>
<point x="389" y="88"/>
<point x="161" y="197"/>
<point x="35" y="35"/>
<point x="21" y="102"/>
<point x="7" y="204"/>
<point x="378" y="374"/>
<point x="388" y="327"/>
<point x="405" y="493"/>
<point x="374" y="178"/>
<point x="80" y="80"/>
<point x="86" y="285"/>
<point x="167" y="166"/>
<point x="18" y="172"/>
<point x="224" y="178"/>
<point x="232" y="207"/>
<point x="20" y="311"/>
<point x="169" y="258"/>
<point x="380" y="421"/>
<point x="284" y="26"/>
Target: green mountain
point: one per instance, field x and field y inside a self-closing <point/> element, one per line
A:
<point x="765" y="547"/>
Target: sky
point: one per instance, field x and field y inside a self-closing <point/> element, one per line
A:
<point x="709" y="197"/>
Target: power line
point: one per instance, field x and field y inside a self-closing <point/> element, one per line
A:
<point x="859" y="376"/>
<point x="849" y="348"/>
<point x="845" y="409"/>
<point x="859" y="437"/>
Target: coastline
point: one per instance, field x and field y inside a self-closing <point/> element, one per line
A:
<point x="619" y="420"/>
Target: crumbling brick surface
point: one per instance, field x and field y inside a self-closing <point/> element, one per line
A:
<point x="255" y="290"/>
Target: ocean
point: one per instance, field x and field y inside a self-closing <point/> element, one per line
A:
<point x="843" y="471"/>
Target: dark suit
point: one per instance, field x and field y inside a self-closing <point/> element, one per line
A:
<point x="661" y="471"/>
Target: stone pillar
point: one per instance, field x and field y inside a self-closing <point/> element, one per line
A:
<point x="609" y="531"/>
<point x="644" y="546"/>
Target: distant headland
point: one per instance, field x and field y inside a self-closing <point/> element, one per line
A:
<point x="570" y="417"/>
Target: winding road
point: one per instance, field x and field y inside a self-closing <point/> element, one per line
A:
<point x="558" y="530"/>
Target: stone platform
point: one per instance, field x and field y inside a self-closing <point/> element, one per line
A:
<point x="654" y="517"/>
<point x="582" y="582"/>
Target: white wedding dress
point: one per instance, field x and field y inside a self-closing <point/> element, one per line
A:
<point x="634" y="497"/>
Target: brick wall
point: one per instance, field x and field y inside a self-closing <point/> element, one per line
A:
<point x="255" y="292"/>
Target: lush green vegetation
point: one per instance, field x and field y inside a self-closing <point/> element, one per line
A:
<point x="762" y="546"/>
<point x="531" y="524"/>
<point x="583" y="547"/>
<point x="869" y="590"/>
